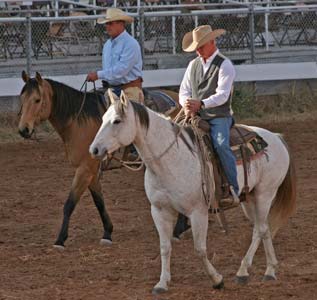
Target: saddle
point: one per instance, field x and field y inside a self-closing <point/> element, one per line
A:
<point x="159" y="101"/>
<point x="156" y="100"/>
<point x="240" y="135"/>
<point x="246" y="145"/>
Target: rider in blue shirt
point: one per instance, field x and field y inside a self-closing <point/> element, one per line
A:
<point x="121" y="57"/>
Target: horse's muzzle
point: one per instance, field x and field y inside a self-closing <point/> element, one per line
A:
<point x="26" y="133"/>
<point x="98" y="153"/>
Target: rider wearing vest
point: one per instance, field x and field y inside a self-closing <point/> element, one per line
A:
<point x="121" y="57"/>
<point x="206" y="90"/>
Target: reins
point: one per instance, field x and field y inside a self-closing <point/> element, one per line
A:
<point x="85" y="84"/>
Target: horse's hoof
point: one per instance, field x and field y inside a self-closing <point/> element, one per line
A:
<point x="59" y="247"/>
<point x="219" y="286"/>
<point x="105" y="242"/>
<point x="242" y="280"/>
<point x="268" y="278"/>
<point x="158" y="291"/>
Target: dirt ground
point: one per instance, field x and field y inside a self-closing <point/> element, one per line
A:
<point x="35" y="179"/>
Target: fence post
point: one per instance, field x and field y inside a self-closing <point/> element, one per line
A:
<point x="141" y="27"/>
<point x="196" y="21"/>
<point x="56" y="8"/>
<point x="251" y="25"/>
<point x="174" y="34"/>
<point x="28" y="34"/>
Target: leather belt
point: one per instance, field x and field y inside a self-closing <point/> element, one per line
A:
<point x="134" y="83"/>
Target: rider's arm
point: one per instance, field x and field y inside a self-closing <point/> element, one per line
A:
<point x="185" y="90"/>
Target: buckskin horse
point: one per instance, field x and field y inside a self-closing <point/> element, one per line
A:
<point x="76" y="116"/>
<point x="170" y="156"/>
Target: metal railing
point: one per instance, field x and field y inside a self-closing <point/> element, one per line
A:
<point x="255" y="32"/>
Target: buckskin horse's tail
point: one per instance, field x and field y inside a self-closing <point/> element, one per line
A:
<point x="285" y="201"/>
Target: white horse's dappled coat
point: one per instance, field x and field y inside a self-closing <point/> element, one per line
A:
<point x="173" y="183"/>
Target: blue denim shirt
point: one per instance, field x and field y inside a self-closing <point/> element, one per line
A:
<point x="121" y="60"/>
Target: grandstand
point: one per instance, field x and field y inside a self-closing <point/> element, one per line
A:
<point x="61" y="38"/>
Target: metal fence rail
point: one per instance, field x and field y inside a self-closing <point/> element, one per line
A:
<point x="73" y="44"/>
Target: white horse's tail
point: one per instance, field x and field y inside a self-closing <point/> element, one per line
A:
<point x="285" y="201"/>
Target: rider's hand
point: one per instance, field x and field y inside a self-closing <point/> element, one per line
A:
<point x="192" y="105"/>
<point x="92" y="76"/>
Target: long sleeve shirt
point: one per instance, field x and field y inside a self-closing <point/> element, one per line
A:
<point x="121" y="60"/>
<point x="225" y="80"/>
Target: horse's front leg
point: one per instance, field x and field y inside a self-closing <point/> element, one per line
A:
<point x="96" y="192"/>
<point x="82" y="179"/>
<point x="163" y="220"/>
<point x="199" y="222"/>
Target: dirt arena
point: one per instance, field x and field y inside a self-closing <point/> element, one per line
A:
<point x="35" y="179"/>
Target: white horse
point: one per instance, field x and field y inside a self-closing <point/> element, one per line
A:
<point x="173" y="183"/>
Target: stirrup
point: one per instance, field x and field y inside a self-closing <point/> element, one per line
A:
<point x="231" y="200"/>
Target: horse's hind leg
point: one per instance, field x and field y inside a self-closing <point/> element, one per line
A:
<point x="96" y="193"/>
<point x="199" y="223"/>
<point x="163" y="220"/>
<point x="261" y="231"/>
<point x="242" y="275"/>
<point x="80" y="183"/>
<point x="263" y="204"/>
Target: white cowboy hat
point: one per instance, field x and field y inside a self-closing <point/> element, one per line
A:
<point x="114" y="14"/>
<point x="199" y="36"/>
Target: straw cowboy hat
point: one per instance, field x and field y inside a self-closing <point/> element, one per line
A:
<point x="114" y="14"/>
<point x="199" y="36"/>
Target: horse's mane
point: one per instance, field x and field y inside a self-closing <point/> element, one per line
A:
<point x="68" y="103"/>
<point x="139" y="110"/>
<point x="143" y="115"/>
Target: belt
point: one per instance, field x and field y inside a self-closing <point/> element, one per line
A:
<point x="134" y="83"/>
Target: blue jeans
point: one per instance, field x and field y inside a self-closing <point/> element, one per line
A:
<point x="220" y="136"/>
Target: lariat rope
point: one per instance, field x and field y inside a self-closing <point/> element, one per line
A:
<point x="127" y="164"/>
<point x="203" y="154"/>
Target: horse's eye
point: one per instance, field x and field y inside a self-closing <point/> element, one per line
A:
<point x="37" y="100"/>
<point x="117" y="121"/>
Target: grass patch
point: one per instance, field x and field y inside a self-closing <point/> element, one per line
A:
<point x="9" y="131"/>
<point x="299" y="104"/>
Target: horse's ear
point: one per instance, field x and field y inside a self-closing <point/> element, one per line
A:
<point x="25" y="76"/>
<point x="38" y="78"/>
<point x="124" y="99"/>
<point x="112" y="96"/>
